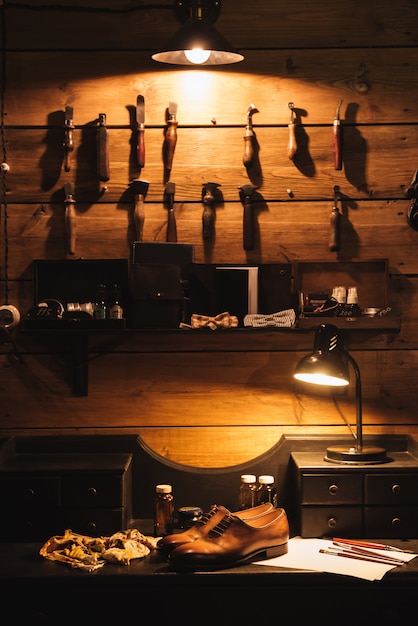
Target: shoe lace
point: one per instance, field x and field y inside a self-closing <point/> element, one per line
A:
<point x="222" y="526"/>
<point x="207" y="516"/>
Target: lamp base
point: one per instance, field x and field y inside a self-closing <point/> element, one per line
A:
<point x="364" y="455"/>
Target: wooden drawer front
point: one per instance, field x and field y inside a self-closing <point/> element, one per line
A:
<point x="24" y="492"/>
<point x="391" y="522"/>
<point x="29" y="525"/>
<point x="93" y="490"/>
<point x="95" y="522"/>
<point x="391" y="489"/>
<point x="324" y="521"/>
<point x="332" y="489"/>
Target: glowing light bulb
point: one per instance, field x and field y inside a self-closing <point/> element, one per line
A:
<point x="197" y="55"/>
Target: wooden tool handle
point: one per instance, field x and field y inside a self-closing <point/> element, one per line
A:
<point x="248" y="224"/>
<point x="171" y="227"/>
<point x="139" y="216"/>
<point x="102" y="154"/>
<point x="141" y="147"/>
<point x="292" y="147"/>
<point x="335" y="220"/>
<point x="170" y="143"/>
<point x="68" y="148"/>
<point x="70" y="226"/>
<point x="338" y="144"/>
<point x="208" y="222"/>
<point x="248" y="148"/>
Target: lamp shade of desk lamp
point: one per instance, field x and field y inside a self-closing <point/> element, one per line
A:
<point x="328" y="365"/>
<point x="198" y="42"/>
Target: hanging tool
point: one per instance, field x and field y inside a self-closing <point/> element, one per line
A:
<point x="292" y="147"/>
<point x="140" y="120"/>
<point x="249" y="137"/>
<point x="209" y="215"/>
<point x="102" y="149"/>
<point x="246" y="192"/>
<point x="171" y="236"/>
<point x="70" y="225"/>
<point x="140" y="188"/>
<point x="412" y="194"/>
<point x="338" y="139"/>
<point x="170" y="136"/>
<point x="335" y="222"/>
<point x="68" y="140"/>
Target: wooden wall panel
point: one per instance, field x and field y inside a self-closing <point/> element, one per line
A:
<point x="200" y="405"/>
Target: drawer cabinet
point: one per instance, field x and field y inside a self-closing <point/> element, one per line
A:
<point x="357" y="501"/>
<point x="44" y="494"/>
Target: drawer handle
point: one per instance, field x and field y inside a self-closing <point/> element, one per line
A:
<point x="396" y="521"/>
<point x="92" y="492"/>
<point x="29" y="493"/>
<point x="396" y="488"/>
<point x="333" y="489"/>
<point x="91" y="527"/>
<point x="332" y="522"/>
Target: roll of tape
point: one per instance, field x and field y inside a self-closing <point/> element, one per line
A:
<point x="9" y="316"/>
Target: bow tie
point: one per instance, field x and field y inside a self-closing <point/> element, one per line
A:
<point x="281" y="318"/>
<point x="223" y="320"/>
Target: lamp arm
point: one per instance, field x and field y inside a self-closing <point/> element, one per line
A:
<point x="359" y="409"/>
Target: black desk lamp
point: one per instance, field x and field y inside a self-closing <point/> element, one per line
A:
<point x="327" y="365"/>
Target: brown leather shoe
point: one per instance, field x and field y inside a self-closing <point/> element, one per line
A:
<point x="207" y="522"/>
<point x="234" y="541"/>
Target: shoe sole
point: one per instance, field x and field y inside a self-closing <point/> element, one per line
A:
<point x="259" y="555"/>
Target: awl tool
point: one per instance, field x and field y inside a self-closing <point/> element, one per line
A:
<point x="292" y="146"/>
<point x="249" y="137"/>
<point x="170" y="136"/>
<point x="70" y="223"/>
<point x="102" y="137"/>
<point x="171" y="236"/>
<point x="140" y="120"/>
<point x="140" y="188"/>
<point x="335" y="223"/>
<point x="68" y="144"/>
<point x="337" y="137"/>
<point x="246" y="193"/>
<point x="209" y="214"/>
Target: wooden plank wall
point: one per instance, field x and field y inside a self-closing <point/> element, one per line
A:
<point x="193" y="405"/>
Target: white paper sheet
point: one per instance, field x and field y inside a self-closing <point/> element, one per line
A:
<point x="304" y="554"/>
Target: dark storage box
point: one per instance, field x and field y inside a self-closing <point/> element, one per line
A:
<point x="76" y="281"/>
<point x="213" y="291"/>
<point x="159" y="282"/>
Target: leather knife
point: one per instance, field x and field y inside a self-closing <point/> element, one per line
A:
<point x="70" y="216"/>
<point x="170" y="189"/>
<point x="337" y="136"/>
<point x="335" y="224"/>
<point x="68" y="139"/>
<point x="292" y="146"/>
<point x="102" y="149"/>
<point x="140" y="120"/>
<point x="170" y="136"/>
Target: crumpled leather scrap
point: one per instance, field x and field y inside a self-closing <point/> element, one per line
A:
<point x="92" y="553"/>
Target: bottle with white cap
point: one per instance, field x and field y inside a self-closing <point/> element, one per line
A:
<point x="353" y="308"/>
<point x="247" y="491"/>
<point x="267" y="492"/>
<point x="163" y="510"/>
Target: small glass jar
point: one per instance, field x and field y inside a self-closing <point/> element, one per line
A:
<point x="188" y="516"/>
<point x="247" y="491"/>
<point x="163" y="510"/>
<point x="267" y="491"/>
